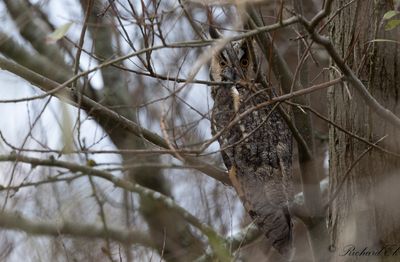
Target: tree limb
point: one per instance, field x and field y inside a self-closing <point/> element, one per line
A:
<point x="72" y="229"/>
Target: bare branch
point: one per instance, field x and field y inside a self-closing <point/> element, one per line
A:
<point x="72" y="229"/>
<point x="216" y="242"/>
<point x="345" y="69"/>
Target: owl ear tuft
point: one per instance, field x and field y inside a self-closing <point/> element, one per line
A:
<point x="214" y="33"/>
<point x="245" y="47"/>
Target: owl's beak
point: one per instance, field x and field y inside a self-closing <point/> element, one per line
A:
<point x="230" y="74"/>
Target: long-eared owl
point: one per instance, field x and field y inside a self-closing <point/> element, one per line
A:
<point x="256" y="147"/>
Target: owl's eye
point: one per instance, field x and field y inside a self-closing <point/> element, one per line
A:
<point x="222" y="63"/>
<point x="244" y="62"/>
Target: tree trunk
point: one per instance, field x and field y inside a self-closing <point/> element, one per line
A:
<point x="363" y="217"/>
<point x="169" y="231"/>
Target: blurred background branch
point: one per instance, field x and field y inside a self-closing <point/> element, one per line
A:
<point x="106" y="112"/>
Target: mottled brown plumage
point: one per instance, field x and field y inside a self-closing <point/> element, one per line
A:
<point x="256" y="149"/>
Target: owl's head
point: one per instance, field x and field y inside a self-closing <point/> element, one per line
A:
<point x="234" y="62"/>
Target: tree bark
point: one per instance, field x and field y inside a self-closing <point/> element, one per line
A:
<point x="169" y="231"/>
<point x="364" y="213"/>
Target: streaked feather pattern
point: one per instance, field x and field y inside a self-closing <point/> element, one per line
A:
<point x="257" y="149"/>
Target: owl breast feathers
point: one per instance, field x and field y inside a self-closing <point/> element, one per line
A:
<point x="256" y="148"/>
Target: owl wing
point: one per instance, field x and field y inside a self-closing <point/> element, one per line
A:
<point x="257" y="151"/>
<point x="265" y="198"/>
<point x="263" y="177"/>
<point x="214" y="131"/>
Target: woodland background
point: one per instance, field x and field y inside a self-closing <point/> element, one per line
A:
<point x="106" y="151"/>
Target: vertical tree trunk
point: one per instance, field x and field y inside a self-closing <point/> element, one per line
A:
<point x="365" y="212"/>
<point x="169" y="231"/>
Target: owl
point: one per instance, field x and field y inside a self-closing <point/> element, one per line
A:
<point x="255" y="148"/>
